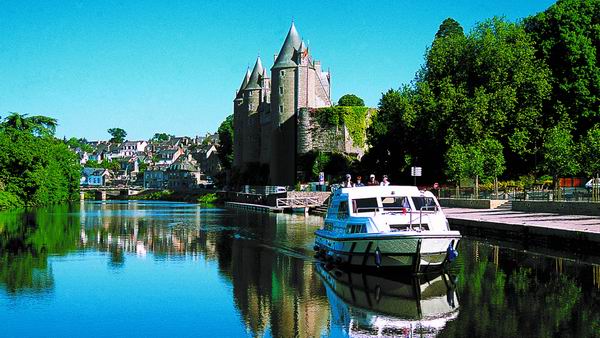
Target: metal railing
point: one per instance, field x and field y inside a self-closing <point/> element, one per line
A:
<point x="297" y="202"/>
<point x="574" y="194"/>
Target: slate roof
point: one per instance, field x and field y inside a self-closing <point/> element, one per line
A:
<point x="255" y="77"/>
<point x="285" y="58"/>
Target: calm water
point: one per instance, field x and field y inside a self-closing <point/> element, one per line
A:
<point x="175" y="269"/>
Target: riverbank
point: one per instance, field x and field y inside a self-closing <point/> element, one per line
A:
<point x="204" y="197"/>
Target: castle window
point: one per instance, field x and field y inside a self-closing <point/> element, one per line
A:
<point x="280" y="90"/>
<point x="251" y="106"/>
<point x="250" y="94"/>
<point x="281" y="109"/>
<point x="282" y="73"/>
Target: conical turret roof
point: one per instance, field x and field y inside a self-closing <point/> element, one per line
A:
<point x="254" y="81"/>
<point x="292" y="42"/>
<point x="244" y="83"/>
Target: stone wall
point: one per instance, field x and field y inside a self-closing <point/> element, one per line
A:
<point x="314" y="137"/>
<point x="471" y="203"/>
<point x="567" y="208"/>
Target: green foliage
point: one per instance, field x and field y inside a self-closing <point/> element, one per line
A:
<point x="449" y="27"/>
<point x="351" y="100"/>
<point x="559" y="151"/>
<point x="209" y="198"/>
<point x="225" y="150"/>
<point x="319" y="164"/>
<point x="474" y="109"/>
<point x="161" y="137"/>
<point x="567" y="39"/>
<point x="590" y="151"/>
<point x="354" y="118"/>
<point x="37" y="125"/>
<point x="81" y="143"/>
<point x="118" y="135"/>
<point x="35" y="168"/>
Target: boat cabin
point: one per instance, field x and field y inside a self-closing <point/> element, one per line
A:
<point x="384" y="209"/>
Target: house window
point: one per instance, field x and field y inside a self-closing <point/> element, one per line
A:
<point x="280" y="90"/>
<point x="281" y="109"/>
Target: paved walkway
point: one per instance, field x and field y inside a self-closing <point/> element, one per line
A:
<point x="545" y="224"/>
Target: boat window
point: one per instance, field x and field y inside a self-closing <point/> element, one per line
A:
<point x="343" y="210"/>
<point x="356" y="228"/>
<point x="424" y="203"/>
<point x="364" y="204"/>
<point x="395" y="203"/>
<point x="328" y="226"/>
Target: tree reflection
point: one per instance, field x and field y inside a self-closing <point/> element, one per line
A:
<point x="514" y="293"/>
<point x="27" y="238"/>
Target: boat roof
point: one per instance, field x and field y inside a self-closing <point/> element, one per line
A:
<point x="374" y="191"/>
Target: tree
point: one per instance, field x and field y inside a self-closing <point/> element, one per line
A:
<point x="161" y="137"/>
<point x="118" y="135"/>
<point x="567" y="39"/>
<point x="560" y="153"/>
<point x="590" y="151"/>
<point x="35" y="168"/>
<point x="449" y="27"/>
<point x="37" y="125"/>
<point x="225" y="149"/>
<point x="351" y="100"/>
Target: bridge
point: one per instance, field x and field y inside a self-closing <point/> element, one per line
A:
<point x="101" y="193"/>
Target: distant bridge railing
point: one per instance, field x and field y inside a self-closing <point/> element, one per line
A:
<point x="297" y="202"/>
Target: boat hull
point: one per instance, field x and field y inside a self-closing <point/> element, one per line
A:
<point x="416" y="252"/>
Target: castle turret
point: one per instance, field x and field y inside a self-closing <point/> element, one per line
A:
<point x="239" y="120"/>
<point x="252" y="102"/>
<point x="283" y="109"/>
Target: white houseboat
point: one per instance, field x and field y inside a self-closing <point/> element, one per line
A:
<point x="386" y="227"/>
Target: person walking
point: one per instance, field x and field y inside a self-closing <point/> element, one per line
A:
<point x="384" y="181"/>
<point x="372" y="181"/>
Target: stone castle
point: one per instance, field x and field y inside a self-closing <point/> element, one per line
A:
<point x="272" y="113"/>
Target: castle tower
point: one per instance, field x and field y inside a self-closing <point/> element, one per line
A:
<point x="239" y="120"/>
<point x="265" y="120"/>
<point x="252" y="103"/>
<point x="284" y="104"/>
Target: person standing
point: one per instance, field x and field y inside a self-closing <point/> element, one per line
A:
<point x="372" y="181"/>
<point x="384" y="181"/>
<point x="348" y="182"/>
<point x="359" y="182"/>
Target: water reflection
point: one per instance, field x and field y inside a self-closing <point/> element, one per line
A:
<point x="385" y="305"/>
<point x="264" y="269"/>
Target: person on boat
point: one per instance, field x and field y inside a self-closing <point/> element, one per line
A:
<point x="359" y="182"/>
<point x="385" y="181"/>
<point x="348" y="182"/>
<point x="372" y="180"/>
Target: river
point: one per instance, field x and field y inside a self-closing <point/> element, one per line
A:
<point x="141" y="269"/>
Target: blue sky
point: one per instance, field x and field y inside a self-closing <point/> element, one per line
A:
<point x="173" y="66"/>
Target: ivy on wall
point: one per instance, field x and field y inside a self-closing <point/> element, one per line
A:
<point x="353" y="117"/>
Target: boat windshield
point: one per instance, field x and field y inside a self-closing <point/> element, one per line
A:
<point x="424" y="203"/>
<point x="364" y="205"/>
<point x="395" y="203"/>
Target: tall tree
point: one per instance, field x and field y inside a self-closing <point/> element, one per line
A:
<point x="37" y="125"/>
<point x="118" y="135"/>
<point x="567" y="38"/>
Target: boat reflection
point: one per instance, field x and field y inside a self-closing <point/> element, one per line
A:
<point x="383" y="305"/>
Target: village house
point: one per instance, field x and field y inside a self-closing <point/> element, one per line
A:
<point x="94" y="177"/>
<point x="155" y="178"/>
<point x="183" y="174"/>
